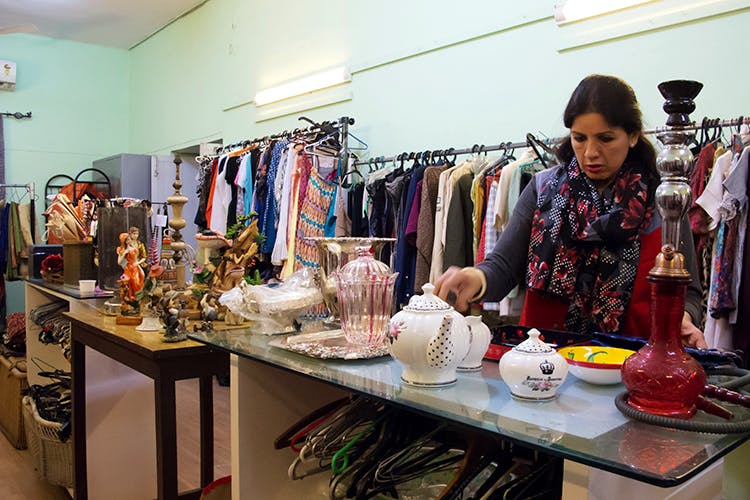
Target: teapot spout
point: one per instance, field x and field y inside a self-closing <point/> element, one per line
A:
<point x="440" y="349"/>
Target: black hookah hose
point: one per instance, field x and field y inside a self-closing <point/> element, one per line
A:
<point x="743" y="377"/>
<point x="743" y="426"/>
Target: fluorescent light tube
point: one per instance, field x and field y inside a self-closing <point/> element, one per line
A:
<point x="575" y="10"/>
<point x="304" y="85"/>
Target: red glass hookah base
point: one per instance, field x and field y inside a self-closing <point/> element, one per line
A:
<point x="662" y="379"/>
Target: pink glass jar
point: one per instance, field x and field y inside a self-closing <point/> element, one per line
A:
<point x="364" y="287"/>
<point x="662" y="379"/>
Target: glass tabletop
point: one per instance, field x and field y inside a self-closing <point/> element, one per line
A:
<point x="71" y="291"/>
<point x="581" y="424"/>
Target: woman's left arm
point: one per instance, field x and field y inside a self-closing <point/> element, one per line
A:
<point x="691" y="335"/>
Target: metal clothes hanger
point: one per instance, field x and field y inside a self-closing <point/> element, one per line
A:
<point x="481" y="162"/>
<point x="480" y="453"/>
<point x="519" y="487"/>
<point x="358" y="469"/>
<point x="536" y="145"/>
<point x="504" y="463"/>
<point x="327" y="146"/>
<point x="303" y="426"/>
<point x="362" y="145"/>
<point x="390" y="439"/>
<point x="449" y="161"/>
<point x="507" y="156"/>
<point x="336" y="428"/>
<point x="379" y="171"/>
<point x="371" y="167"/>
<point x="352" y="171"/>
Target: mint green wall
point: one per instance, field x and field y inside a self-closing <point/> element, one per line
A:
<point x="176" y="90"/>
<point x="78" y="95"/>
<point x="425" y="73"/>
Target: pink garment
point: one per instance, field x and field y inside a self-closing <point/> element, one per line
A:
<point x="305" y="167"/>
<point x="698" y="178"/>
<point x="413" y="220"/>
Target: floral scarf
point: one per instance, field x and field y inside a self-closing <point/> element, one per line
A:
<point x="584" y="247"/>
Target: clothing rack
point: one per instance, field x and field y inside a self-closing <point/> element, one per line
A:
<point x="706" y="123"/>
<point x="16" y="115"/>
<point x="477" y="148"/>
<point x="438" y="153"/>
<point x="29" y="187"/>
<point x="326" y="127"/>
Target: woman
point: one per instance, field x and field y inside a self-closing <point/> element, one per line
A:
<point x="587" y="231"/>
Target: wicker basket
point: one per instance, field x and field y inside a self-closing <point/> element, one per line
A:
<point x="53" y="458"/>
<point x="12" y="383"/>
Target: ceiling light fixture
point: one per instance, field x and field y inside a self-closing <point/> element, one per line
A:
<point x="303" y="85"/>
<point x="575" y="10"/>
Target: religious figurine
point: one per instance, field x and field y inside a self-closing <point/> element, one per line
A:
<point x="209" y="307"/>
<point x="133" y="276"/>
<point x="236" y="259"/>
<point x="172" y="325"/>
<point x="205" y="326"/>
<point x="150" y="295"/>
<point x="128" y="303"/>
<point x="170" y="305"/>
<point x="134" y="240"/>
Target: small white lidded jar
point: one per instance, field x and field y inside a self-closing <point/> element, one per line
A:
<point x="533" y="369"/>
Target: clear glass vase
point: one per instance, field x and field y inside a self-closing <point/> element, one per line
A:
<point x="364" y="288"/>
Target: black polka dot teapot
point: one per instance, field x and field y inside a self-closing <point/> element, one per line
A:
<point x="429" y="338"/>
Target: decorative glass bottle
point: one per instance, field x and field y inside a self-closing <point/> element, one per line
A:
<point x="662" y="379"/>
<point x="334" y="254"/>
<point x="364" y="287"/>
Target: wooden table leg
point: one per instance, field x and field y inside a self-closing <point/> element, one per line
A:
<point x="166" y="438"/>
<point x="78" y="370"/>
<point x="207" y="429"/>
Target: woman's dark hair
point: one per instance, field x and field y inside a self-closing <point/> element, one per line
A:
<point x="615" y="100"/>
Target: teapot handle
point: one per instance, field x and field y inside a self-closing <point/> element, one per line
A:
<point x="440" y="349"/>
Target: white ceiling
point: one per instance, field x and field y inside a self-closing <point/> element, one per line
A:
<point x="114" y="23"/>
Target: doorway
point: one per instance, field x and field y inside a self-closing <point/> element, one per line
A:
<point x="162" y="179"/>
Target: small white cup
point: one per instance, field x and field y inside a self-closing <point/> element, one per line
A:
<point x="86" y="286"/>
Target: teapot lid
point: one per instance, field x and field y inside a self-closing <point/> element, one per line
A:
<point x="365" y="267"/>
<point x="533" y="345"/>
<point x="428" y="301"/>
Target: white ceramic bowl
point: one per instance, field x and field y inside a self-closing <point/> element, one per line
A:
<point x="596" y="364"/>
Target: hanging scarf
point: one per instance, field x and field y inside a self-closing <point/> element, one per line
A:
<point x="584" y="247"/>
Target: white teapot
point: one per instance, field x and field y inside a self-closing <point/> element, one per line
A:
<point x="533" y="369"/>
<point x="429" y="338"/>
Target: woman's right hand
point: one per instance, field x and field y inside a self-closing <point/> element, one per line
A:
<point x="691" y="335"/>
<point x="460" y="286"/>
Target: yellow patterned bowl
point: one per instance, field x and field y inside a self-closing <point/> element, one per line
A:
<point x="596" y="364"/>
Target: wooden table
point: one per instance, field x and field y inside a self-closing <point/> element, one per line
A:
<point x="164" y="363"/>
